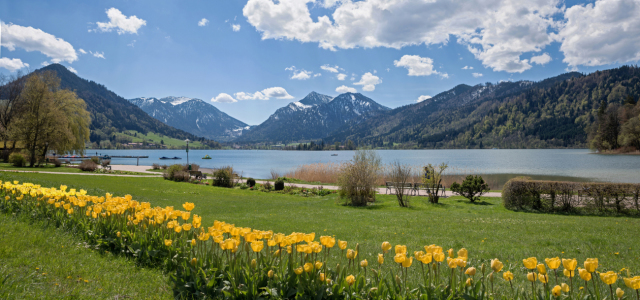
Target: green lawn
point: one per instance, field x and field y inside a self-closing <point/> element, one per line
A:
<point x="48" y="168"/>
<point x="486" y="229"/>
<point x="156" y="139"/>
<point x="45" y="263"/>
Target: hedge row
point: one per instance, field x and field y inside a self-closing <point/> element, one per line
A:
<point x="523" y="193"/>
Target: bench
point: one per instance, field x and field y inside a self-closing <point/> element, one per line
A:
<point x="417" y="187"/>
<point x="394" y="185"/>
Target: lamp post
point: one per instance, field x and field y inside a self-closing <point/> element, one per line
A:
<point x="189" y="166"/>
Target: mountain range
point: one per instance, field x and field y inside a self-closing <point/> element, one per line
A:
<point x="194" y="116"/>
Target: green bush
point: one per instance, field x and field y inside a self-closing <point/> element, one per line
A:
<point x="95" y="159"/>
<point x="176" y="173"/>
<point x="278" y="185"/>
<point x="251" y="182"/>
<point x="17" y="160"/>
<point x="471" y="188"/>
<point x="592" y="197"/>
<point x="358" y="178"/>
<point x="222" y="178"/>
<point x="56" y="162"/>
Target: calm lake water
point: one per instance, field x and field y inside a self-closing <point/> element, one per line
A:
<point x="560" y="164"/>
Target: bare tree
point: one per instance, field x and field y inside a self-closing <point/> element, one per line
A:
<point x="432" y="180"/>
<point x="401" y="175"/>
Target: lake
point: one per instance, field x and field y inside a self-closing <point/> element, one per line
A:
<point x="557" y="164"/>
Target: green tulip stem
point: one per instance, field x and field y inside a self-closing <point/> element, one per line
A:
<point x="638" y="294"/>
<point x="571" y="284"/>
<point x="423" y="274"/>
<point x="452" y="278"/>
<point x="555" y="271"/>
<point x="611" y="289"/>
<point x="511" y="284"/>
<point x="533" y="291"/>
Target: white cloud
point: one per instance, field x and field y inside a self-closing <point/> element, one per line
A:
<point x="266" y="94"/>
<point x="368" y="81"/>
<point x="45" y="63"/>
<point x="223" y="98"/>
<point x="32" y="39"/>
<point x="602" y="33"/>
<point x="300" y="74"/>
<point x="82" y="51"/>
<point x="345" y="89"/>
<point x="541" y="59"/>
<point x="203" y="22"/>
<point x="329" y="68"/>
<point x="467" y="68"/>
<point x="235" y="27"/>
<point x="98" y="54"/>
<point x="423" y="97"/>
<point x="317" y="74"/>
<point x="12" y="64"/>
<point x="120" y="22"/>
<point x="72" y="70"/>
<point x="476" y="75"/>
<point x="330" y="3"/>
<point x="417" y="66"/>
<point x="133" y="44"/>
<point x="341" y="76"/>
<point x="497" y="32"/>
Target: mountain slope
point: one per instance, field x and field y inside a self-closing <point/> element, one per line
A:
<point x="111" y="113"/>
<point x="192" y="115"/>
<point x="312" y="118"/>
<point x="461" y="118"/>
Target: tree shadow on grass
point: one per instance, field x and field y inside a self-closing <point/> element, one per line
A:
<point x="477" y="202"/>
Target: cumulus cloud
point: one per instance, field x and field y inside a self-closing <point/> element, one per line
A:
<point x="467" y="68"/>
<point x="329" y="68"/>
<point x="223" y="98"/>
<point x="72" y="70"/>
<point x="121" y="23"/>
<point x="476" y="75"/>
<point x="82" y="51"/>
<point x="329" y="3"/>
<point x="98" y="54"/>
<point x="235" y="27"/>
<point x="417" y="66"/>
<point x="497" y="32"/>
<point x="368" y="82"/>
<point x="32" y="39"/>
<point x="12" y="64"/>
<point x="605" y="32"/>
<point x="541" y="59"/>
<point x="266" y="94"/>
<point x="422" y="98"/>
<point x="300" y="74"/>
<point x="317" y="74"/>
<point x="341" y="76"/>
<point x="203" y="22"/>
<point x="345" y="89"/>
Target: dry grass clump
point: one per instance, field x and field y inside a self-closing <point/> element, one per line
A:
<point x="318" y="172"/>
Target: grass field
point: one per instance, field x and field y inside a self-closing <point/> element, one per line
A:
<point x="48" y="168"/>
<point x="45" y="263"/>
<point x="156" y="139"/>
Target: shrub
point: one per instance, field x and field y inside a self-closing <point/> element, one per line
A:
<point x="88" y="165"/>
<point x="164" y="167"/>
<point x="17" y="160"/>
<point x="155" y="166"/>
<point x="56" y="162"/>
<point x="95" y="160"/>
<point x="432" y="180"/>
<point x="401" y="176"/>
<point x="278" y="185"/>
<point x="267" y="186"/>
<point x="176" y="173"/>
<point x="105" y="163"/>
<point x="274" y="174"/>
<point x="222" y="177"/>
<point x="471" y="188"/>
<point x="243" y="186"/>
<point x="358" y="178"/>
<point x="251" y="182"/>
<point x="548" y="196"/>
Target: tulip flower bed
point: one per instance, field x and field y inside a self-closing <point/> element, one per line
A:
<point x="226" y="261"/>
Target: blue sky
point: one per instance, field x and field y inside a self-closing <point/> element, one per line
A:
<point x="391" y="51"/>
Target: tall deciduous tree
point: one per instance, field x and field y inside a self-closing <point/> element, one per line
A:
<point x="51" y="118"/>
<point x="10" y="107"/>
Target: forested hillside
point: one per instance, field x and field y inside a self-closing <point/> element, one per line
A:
<point x="558" y="112"/>
<point x="111" y="113"/>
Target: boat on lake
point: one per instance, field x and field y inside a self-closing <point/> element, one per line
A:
<point x="334" y="154"/>
<point x="207" y="157"/>
<point x="175" y="157"/>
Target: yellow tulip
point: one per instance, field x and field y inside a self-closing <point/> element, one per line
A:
<point x="193" y="242"/>
<point x="427" y="258"/>
<point x="177" y="229"/>
<point x="496" y="265"/>
<point x="186" y="227"/>
<point x="118" y="234"/>
<point x="185" y="215"/>
<point x="257" y="246"/>
<point x="351" y="254"/>
<point x="188" y="206"/>
<point x="565" y="287"/>
<point x="463" y="253"/>
<point x="530" y="263"/>
<point x="322" y="277"/>
<point x="452" y="263"/>
<point x="401" y="249"/>
<point x="254" y="263"/>
<point x="194" y="261"/>
<point x="543" y="278"/>
<point x="531" y="276"/>
<point x="342" y="244"/>
<point x="553" y="263"/>
<point x="609" y="277"/>
<point x="400" y="257"/>
<point x="541" y="269"/>
<point x="270" y="274"/>
<point x="450" y="252"/>
<point x="591" y="264"/>
<point x="380" y="258"/>
<point x="168" y="243"/>
<point x="619" y="293"/>
<point x="570" y="264"/>
<point x="468" y="282"/>
<point x="350" y="280"/>
<point x="364" y="263"/>
<point x="556" y="291"/>
<point x="584" y="274"/>
<point x="298" y="270"/>
<point x="308" y="267"/>
<point x="632" y="283"/>
<point x="438" y="256"/>
<point x="386" y="246"/>
<point x="461" y="262"/>
<point x="470" y="271"/>
<point x="568" y="273"/>
<point x="407" y="262"/>
<point x="318" y="265"/>
<point x="508" y="276"/>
